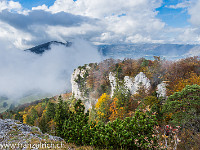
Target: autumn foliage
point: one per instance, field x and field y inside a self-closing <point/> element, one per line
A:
<point x="102" y="107"/>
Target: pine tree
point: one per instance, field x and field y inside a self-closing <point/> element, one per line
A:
<point x="75" y="128"/>
<point x="60" y="116"/>
<point x="50" y="111"/>
<point x="43" y="123"/>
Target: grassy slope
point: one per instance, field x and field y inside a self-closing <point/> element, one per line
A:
<point x="23" y="100"/>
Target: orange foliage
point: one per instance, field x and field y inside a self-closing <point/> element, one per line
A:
<point x="66" y="96"/>
<point x="115" y="111"/>
<point x="52" y="126"/>
<point x="179" y="71"/>
<point x="193" y="79"/>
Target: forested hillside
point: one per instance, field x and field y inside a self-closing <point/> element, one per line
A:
<point x="163" y="115"/>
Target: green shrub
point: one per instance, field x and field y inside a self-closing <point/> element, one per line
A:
<point x="132" y="133"/>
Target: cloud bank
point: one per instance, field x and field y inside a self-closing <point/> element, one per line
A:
<point x="99" y="21"/>
<point x="42" y="18"/>
<point x="23" y="72"/>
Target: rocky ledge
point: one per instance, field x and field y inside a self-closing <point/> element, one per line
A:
<point x="16" y="135"/>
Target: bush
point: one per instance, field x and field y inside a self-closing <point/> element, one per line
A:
<point x="132" y="133"/>
<point x="183" y="107"/>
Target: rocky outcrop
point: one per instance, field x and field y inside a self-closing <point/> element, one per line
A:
<point x="20" y="136"/>
<point x="113" y="83"/>
<point x="79" y="88"/>
<point x="142" y="80"/>
<point x="78" y="81"/>
<point x="88" y="104"/>
<point x="75" y="86"/>
<point x="133" y="84"/>
<point x="161" y="89"/>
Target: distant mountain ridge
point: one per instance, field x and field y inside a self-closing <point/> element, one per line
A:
<point x="168" y="51"/>
<point x="40" y="49"/>
<point x="121" y="51"/>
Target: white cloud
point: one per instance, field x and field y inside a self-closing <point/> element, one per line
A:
<point x="184" y="4"/>
<point x="190" y="35"/>
<point x="10" y="5"/>
<point x="43" y="7"/>
<point x="104" y="8"/>
<point x="99" y="21"/>
<point x="13" y="36"/>
<point x="195" y="13"/>
<point x="138" y="23"/>
<point x="39" y="26"/>
<point x="139" y="17"/>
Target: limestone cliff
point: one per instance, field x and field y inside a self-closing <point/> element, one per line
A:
<point x="113" y="83"/>
<point x="133" y="84"/>
<point x="79" y="89"/>
<point x="78" y="81"/>
<point x="140" y="80"/>
<point x="162" y="90"/>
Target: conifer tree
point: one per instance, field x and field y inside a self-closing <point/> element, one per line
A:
<point x="50" y="111"/>
<point x="43" y="123"/>
<point x="75" y="128"/>
<point x="183" y="107"/>
<point x="32" y="116"/>
<point x="60" y="116"/>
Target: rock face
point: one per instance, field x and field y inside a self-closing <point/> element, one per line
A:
<point x="141" y="79"/>
<point x="13" y="132"/>
<point x="79" y="89"/>
<point x="133" y="84"/>
<point x="162" y="90"/>
<point x="78" y="82"/>
<point x="113" y="83"/>
<point x="129" y="83"/>
<point x="75" y="86"/>
<point x="88" y="105"/>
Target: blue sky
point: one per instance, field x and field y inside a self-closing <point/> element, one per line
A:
<point x="26" y="23"/>
<point x="173" y="17"/>
<point x="34" y="3"/>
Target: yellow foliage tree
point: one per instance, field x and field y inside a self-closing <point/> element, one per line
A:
<point x="25" y="118"/>
<point x="102" y="107"/>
